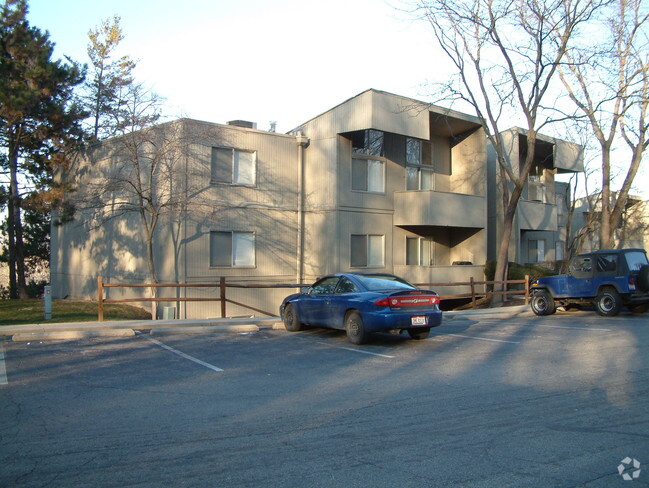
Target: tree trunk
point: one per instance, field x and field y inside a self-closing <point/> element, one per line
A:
<point x="17" y="283"/>
<point x="605" y="241"/>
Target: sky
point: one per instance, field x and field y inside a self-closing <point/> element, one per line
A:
<point x="285" y="61"/>
<point x="259" y="60"/>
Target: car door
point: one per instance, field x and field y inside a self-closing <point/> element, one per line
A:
<point x="315" y="307"/>
<point x="579" y="281"/>
<point x="346" y="290"/>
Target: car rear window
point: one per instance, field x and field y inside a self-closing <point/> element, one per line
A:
<point x="636" y="260"/>
<point x="384" y="282"/>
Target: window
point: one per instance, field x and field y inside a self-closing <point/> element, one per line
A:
<point x="607" y="263"/>
<point x="536" y="251"/>
<point x="368" y="142"/>
<point x="419" y="165"/>
<point x="368" y="175"/>
<point x="558" y="250"/>
<point x="366" y="251"/>
<point x="419" y="251"/>
<point x="232" y="249"/>
<point x="325" y="286"/>
<point x="345" y="285"/>
<point x="233" y="166"/>
<point x="536" y="185"/>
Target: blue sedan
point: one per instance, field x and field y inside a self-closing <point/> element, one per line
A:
<point x="362" y="304"/>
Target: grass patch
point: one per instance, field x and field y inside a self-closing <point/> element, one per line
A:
<point x="32" y="311"/>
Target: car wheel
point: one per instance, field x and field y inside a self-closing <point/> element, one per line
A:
<point x="608" y="302"/>
<point x="543" y="303"/>
<point x="418" y="334"/>
<point x="291" y="320"/>
<point x="640" y="308"/>
<point x="356" y="332"/>
<point x="643" y="278"/>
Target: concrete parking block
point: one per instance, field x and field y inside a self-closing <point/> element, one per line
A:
<point x="242" y="328"/>
<point x="71" y="334"/>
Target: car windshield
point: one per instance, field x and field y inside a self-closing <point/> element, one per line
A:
<point x="384" y="282"/>
<point x="636" y="260"/>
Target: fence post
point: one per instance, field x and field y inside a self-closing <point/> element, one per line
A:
<point x="472" y="293"/>
<point x="222" y="295"/>
<point x="100" y="299"/>
<point x="527" y="289"/>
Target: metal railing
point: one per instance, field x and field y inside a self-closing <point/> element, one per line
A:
<point x="223" y="285"/>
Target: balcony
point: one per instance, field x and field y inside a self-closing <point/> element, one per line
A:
<point x="534" y="215"/>
<point x="436" y="208"/>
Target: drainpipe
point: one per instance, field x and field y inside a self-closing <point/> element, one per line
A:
<point x="302" y="143"/>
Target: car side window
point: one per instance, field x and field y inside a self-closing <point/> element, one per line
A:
<point x="325" y="286"/>
<point x="607" y="263"/>
<point x="581" y="267"/>
<point x="346" y="286"/>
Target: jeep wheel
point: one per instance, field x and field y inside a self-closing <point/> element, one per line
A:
<point x="608" y="302"/>
<point x="542" y="303"/>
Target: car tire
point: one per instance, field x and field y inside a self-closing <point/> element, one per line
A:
<point x="356" y="331"/>
<point x="608" y="303"/>
<point x="418" y="334"/>
<point x="291" y="319"/>
<point x="643" y="278"/>
<point x="543" y="303"/>
<point x="639" y="308"/>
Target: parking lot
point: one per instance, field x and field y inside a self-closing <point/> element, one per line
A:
<point x="558" y="401"/>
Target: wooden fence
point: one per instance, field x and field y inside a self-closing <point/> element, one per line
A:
<point x="222" y="286"/>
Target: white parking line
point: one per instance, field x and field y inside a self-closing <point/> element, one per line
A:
<point x="3" y="368"/>
<point x="186" y="356"/>
<point x="355" y="350"/>
<point x="477" y="338"/>
<point x="575" y="328"/>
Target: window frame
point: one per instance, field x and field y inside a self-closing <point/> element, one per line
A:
<point x="216" y="179"/>
<point x="367" y="174"/>
<point x="421" y="251"/>
<point x="214" y="262"/>
<point x="423" y="164"/>
<point x="368" y="252"/>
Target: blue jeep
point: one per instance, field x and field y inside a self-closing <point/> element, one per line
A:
<point x="608" y="279"/>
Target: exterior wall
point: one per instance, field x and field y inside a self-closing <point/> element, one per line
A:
<point x="338" y="212"/>
<point x="116" y="250"/>
<point x="538" y="216"/>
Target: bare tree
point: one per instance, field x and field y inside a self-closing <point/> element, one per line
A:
<point x="609" y="84"/>
<point x="506" y="55"/>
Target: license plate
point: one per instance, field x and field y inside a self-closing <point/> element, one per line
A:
<point x="418" y="320"/>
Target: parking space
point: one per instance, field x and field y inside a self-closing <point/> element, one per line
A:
<point x="530" y="401"/>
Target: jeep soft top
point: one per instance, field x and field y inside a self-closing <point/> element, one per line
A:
<point x="609" y="279"/>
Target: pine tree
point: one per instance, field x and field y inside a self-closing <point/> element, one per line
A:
<point x="39" y="120"/>
<point x="109" y="79"/>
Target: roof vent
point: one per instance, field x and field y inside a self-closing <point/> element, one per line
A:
<point x="243" y="123"/>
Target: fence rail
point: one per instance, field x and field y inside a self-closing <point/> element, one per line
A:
<point x="223" y="285"/>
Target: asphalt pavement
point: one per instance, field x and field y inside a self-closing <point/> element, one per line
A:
<point x="80" y="330"/>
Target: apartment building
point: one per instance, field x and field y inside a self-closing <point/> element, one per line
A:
<point x="378" y="183"/>
<point x="632" y="231"/>
<point x="540" y="224"/>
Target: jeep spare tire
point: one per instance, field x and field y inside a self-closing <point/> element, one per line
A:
<point x="643" y="278"/>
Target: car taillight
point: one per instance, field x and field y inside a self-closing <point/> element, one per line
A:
<point x="382" y="302"/>
<point x="632" y="283"/>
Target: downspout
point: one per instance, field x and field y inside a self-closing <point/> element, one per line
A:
<point x="302" y="143"/>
